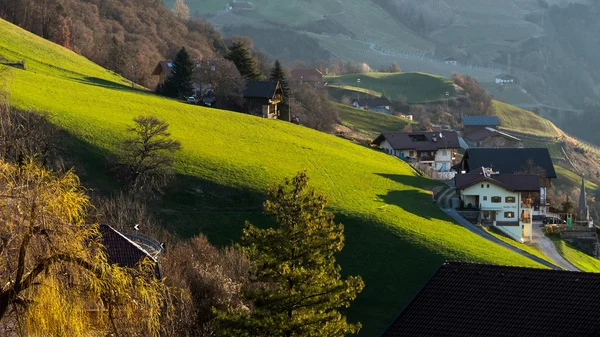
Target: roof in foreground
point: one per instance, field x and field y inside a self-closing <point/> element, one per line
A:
<point x="480" y="120"/>
<point x="464" y="300"/>
<point x="121" y="250"/>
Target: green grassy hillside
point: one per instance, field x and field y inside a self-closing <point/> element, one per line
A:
<point x="367" y="122"/>
<point x="577" y="258"/>
<point x="513" y="118"/>
<point x="415" y="87"/>
<point x="395" y="236"/>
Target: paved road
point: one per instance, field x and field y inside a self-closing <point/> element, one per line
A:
<point x="549" y="249"/>
<point x="444" y="204"/>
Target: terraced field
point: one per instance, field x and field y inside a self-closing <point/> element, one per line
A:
<point x="395" y="236"/>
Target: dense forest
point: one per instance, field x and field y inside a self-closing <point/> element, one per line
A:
<point x="128" y="37"/>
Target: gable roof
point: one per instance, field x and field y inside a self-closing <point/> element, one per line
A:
<point x="480" y="120"/>
<point x="510" y="182"/>
<point x="450" y="59"/>
<point x="307" y="75"/>
<point x="373" y="102"/>
<point x="121" y="251"/>
<point x="261" y="89"/>
<point x="431" y="140"/>
<point x="465" y="300"/>
<point x="483" y="133"/>
<point x="505" y="77"/>
<point x="509" y="160"/>
<point x="165" y="67"/>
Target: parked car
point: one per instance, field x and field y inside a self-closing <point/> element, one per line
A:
<point x="553" y="220"/>
<point x="191" y="100"/>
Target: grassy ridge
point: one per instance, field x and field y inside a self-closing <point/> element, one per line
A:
<point x="395" y="236"/>
<point x="513" y="118"/>
<point x="531" y="249"/>
<point x="368" y="122"/>
<point x="415" y="87"/>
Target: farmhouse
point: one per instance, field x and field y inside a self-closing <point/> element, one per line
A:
<point x="437" y="149"/>
<point x="514" y="161"/>
<point x="372" y="103"/>
<point x="163" y="69"/>
<point x="262" y="98"/>
<point x="476" y="123"/>
<point x="473" y="300"/>
<point x="505" y="201"/>
<point x="451" y="61"/>
<point x="490" y="137"/>
<point x="504" y="79"/>
<point x="311" y="76"/>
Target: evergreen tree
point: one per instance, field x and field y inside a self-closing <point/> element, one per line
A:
<point x="297" y="288"/>
<point x="278" y="74"/>
<point x="243" y="60"/>
<point x="179" y="82"/>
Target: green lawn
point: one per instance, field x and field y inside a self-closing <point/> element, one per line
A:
<point x="577" y="258"/>
<point x="529" y="248"/>
<point x="513" y="118"/>
<point x="368" y="122"/>
<point x="415" y="87"/>
<point x="395" y="236"/>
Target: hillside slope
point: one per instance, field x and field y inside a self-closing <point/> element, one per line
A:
<point x="395" y="236"/>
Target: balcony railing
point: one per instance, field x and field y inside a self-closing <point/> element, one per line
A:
<point x="427" y="158"/>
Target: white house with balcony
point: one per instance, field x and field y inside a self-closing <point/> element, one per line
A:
<point x="505" y="201"/>
<point x="435" y="149"/>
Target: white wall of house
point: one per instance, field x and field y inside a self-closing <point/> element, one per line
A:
<point x="505" y="210"/>
<point x="443" y="160"/>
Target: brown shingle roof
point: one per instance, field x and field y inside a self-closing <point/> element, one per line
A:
<point x="165" y="67"/>
<point x="122" y="251"/>
<point x="405" y="140"/>
<point x="468" y="300"/>
<point x="307" y="75"/>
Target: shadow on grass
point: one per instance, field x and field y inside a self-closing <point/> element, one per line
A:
<point x="99" y="82"/>
<point x="393" y="267"/>
<point x="413" y="181"/>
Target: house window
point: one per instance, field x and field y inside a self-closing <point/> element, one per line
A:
<point x="510" y="200"/>
<point x="444" y="153"/>
<point x="411" y="153"/>
<point x="496" y="200"/>
<point x="481" y="185"/>
<point x="485" y="198"/>
<point x="509" y="215"/>
<point x="488" y="185"/>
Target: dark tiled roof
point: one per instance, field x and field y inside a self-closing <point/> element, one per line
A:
<point x="480" y="120"/>
<point x="260" y="89"/>
<point x="122" y="251"/>
<point x="404" y="140"/>
<point x="165" y="67"/>
<point x="512" y="160"/>
<point x="373" y="102"/>
<point x="468" y="300"/>
<point x="310" y="75"/>
<point x="450" y="59"/>
<point x="511" y="182"/>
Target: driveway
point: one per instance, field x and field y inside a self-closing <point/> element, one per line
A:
<point x="548" y="247"/>
<point x="444" y="203"/>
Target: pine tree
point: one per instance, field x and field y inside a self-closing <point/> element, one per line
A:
<point x="243" y="60"/>
<point x="297" y="288"/>
<point x="278" y="74"/>
<point x="179" y="82"/>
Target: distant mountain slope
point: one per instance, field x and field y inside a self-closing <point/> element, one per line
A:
<point x="395" y="236"/>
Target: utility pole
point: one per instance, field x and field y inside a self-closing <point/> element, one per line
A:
<point x="358" y="91"/>
<point x="132" y="77"/>
<point x="447" y="97"/>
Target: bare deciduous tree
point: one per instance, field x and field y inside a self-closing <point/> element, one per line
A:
<point x="313" y="107"/>
<point x="224" y="78"/>
<point x="147" y="157"/>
